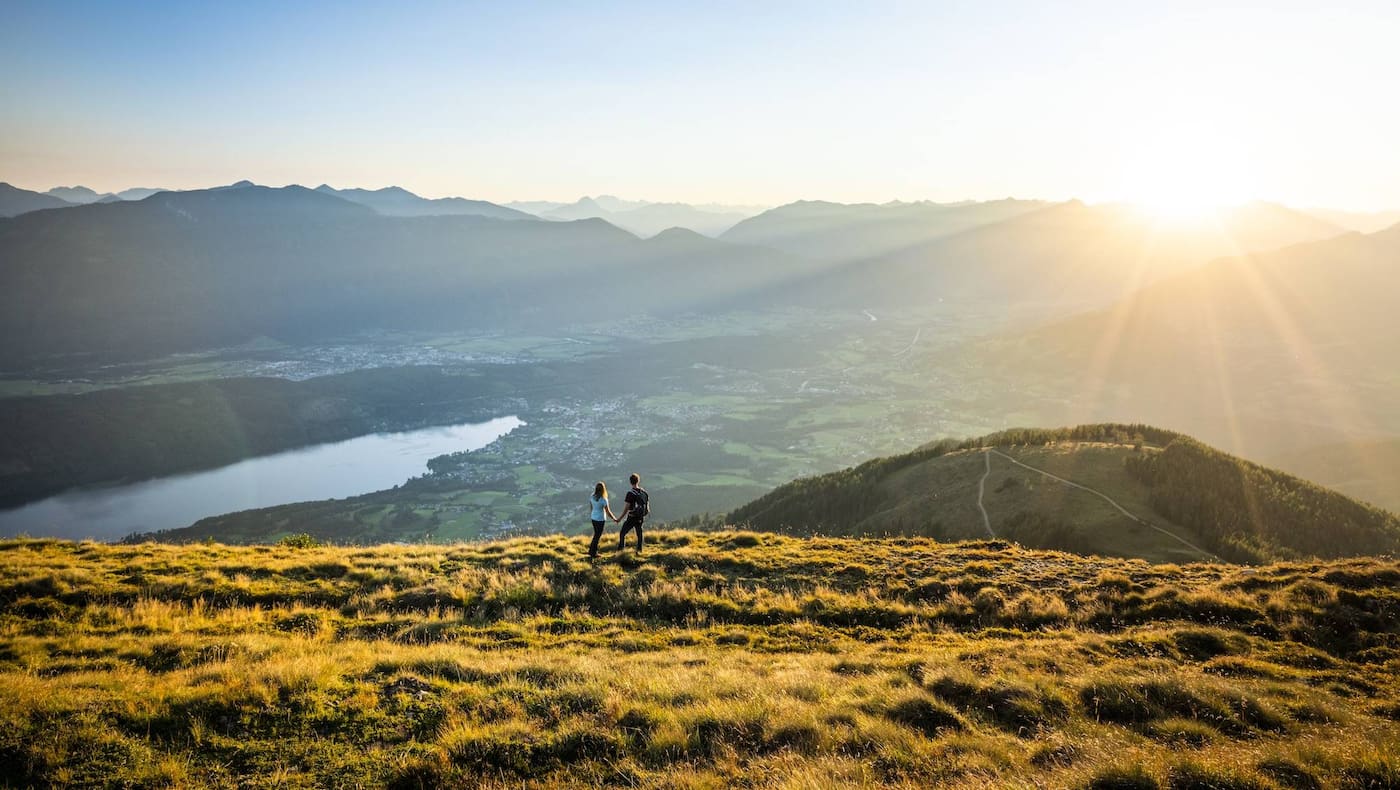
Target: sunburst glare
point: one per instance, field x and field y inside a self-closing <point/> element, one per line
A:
<point x="1185" y="176"/>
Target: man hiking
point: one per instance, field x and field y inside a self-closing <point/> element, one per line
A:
<point x="636" y="507"/>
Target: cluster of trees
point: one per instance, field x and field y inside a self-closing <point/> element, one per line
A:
<point x="1249" y="513"/>
<point x="1109" y="432"/>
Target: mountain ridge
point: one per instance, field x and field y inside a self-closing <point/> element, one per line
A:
<point x="643" y="218"/>
<point x="15" y="201"/>
<point x="394" y="201"/>
<point x="184" y="269"/>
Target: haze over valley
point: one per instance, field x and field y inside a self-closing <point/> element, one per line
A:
<point x="804" y="338"/>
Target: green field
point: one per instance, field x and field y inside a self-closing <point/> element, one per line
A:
<point x="718" y="659"/>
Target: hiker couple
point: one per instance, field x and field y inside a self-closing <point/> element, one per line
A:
<point x="634" y="511"/>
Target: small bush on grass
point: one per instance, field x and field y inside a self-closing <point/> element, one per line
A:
<point x="1289" y="773"/>
<point x="1183" y="732"/>
<point x="1376" y="772"/>
<point x="1016" y="708"/>
<point x="637" y="724"/>
<point x="710" y="736"/>
<point x="1130" y="777"/>
<point x="1194" y="776"/>
<point x="1200" y="644"/>
<point x="930" y="717"/>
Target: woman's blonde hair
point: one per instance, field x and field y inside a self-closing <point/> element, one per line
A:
<point x="600" y="491"/>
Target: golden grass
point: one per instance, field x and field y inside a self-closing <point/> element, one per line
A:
<point x="720" y="659"/>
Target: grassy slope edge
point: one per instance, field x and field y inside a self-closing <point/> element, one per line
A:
<point x="719" y="658"/>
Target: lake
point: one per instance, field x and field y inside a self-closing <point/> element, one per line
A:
<point x="323" y="471"/>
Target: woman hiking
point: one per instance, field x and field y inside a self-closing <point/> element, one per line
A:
<point x="599" y="500"/>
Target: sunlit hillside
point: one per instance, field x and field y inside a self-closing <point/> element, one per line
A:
<point x="1118" y="490"/>
<point x="713" y="660"/>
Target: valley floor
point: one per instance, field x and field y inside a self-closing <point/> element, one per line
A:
<point x="715" y="659"/>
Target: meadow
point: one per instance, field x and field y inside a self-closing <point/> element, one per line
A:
<point x="715" y="659"/>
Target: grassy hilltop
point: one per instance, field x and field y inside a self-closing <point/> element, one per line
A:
<point x="719" y="659"/>
<point x="1115" y="489"/>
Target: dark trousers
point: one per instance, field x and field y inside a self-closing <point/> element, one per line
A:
<point x="629" y="524"/>
<point x="597" y="535"/>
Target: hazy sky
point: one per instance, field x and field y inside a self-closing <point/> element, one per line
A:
<point x="753" y="102"/>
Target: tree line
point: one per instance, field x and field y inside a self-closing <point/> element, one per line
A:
<point x="1249" y="513"/>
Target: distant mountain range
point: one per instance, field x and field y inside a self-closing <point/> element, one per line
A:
<point x="399" y="202"/>
<point x="207" y="267"/>
<point x="1015" y="259"/>
<point x="220" y="265"/>
<point x="81" y="195"/>
<point x="15" y="201"/>
<point x="817" y="229"/>
<point x="855" y="231"/>
<point x="641" y="217"/>
<point x="1282" y="355"/>
<point x="389" y="201"/>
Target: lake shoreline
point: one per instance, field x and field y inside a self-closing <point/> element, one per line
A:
<point x="330" y="470"/>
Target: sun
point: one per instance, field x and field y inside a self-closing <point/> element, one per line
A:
<point x="1178" y="207"/>
<point x="1184" y="179"/>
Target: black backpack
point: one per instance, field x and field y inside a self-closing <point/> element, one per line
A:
<point x="642" y="507"/>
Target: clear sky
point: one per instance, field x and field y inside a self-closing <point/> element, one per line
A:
<point x="747" y="102"/>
